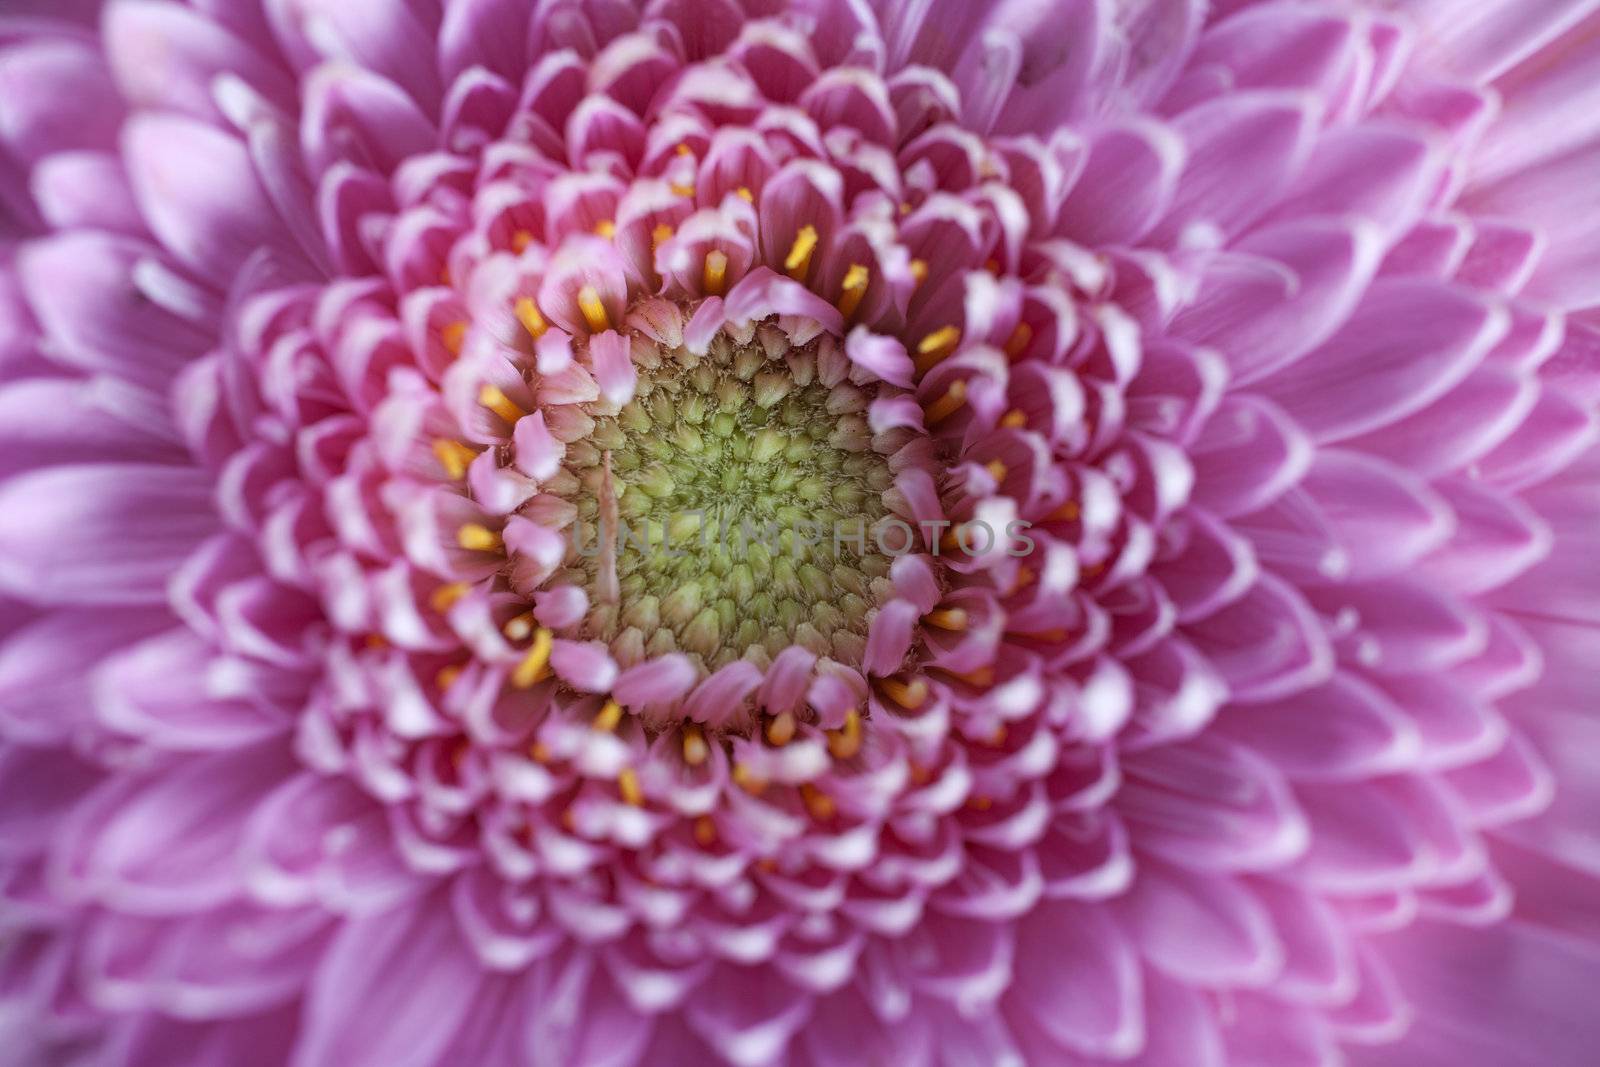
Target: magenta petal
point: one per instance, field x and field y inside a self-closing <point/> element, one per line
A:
<point x="100" y="534"/>
<point x="200" y="195"/>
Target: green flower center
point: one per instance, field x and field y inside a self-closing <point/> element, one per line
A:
<point x="728" y="511"/>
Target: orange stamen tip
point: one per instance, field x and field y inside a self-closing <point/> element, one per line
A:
<point x="447" y="676"/>
<point x="521" y="240"/>
<point x="948" y="404"/>
<point x="520" y="627"/>
<point x="983" y="677"/>
<point x="661" y="234"/>
<point x="781" y="729"/>
<point x="798" y="264"/>
<point x="853" y="289"/>
<point x="820" y="804"/>
<point x="1067" y="512"/>
<point x="935" y="347"/>
<point x="746" y="779"/>
<point x="746" y="195"/>
<point x="628" y="787"/>
<point x="716" y="271"/>
<point x="695" y="749"/>
<point x="1019" y="340"/>
<point x="475" y="537"/>
<point x="996" y="469"/>
<point x="909" y="695"/>
<point x="453" y="335"/>
<point x="605" y="228"/>
<point x="454" y="457"/>
<point x="446" y="595"/>
<point x="919" y="270"/>
<point x="846" y="740"/>
<point x="952" y="619"/>
<point x="495" y="399"/>
<point x="528" y="314"/>
<point x="594" y="310"/>
<point x="1014" y="419"/>
<point x="535" y="666"/>
<point x="609" y="717"/>
<point x="705" y="831"/>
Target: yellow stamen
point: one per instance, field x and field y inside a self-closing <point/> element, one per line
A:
<point x="846" y="740"/>
<point x="705" y="831"/>
<point x="920" y="775"/>
<point x="495" y="399"/>
<point x="853" y="289"/>
<point x="746" y="195"/>
<point x="905" y="208"/>
<point x="609" y="717"/>
<point x="983" y="677"/>
<point x="527" y="313"/>
<point x="996" y="469"/>
<point x="539" y="752"/>
<point x="661" y="234"/>
<point x="447" y="676"/>
<point x="716" y="271"/>
<point x="799" y="262"/>
<point x="446" y="595"/>
<point x="998" y="737"/>
<point x="747" y="780"/>
<point x="521" y="240"/>
<point x="628" y="786"/>
<point x="909" y="695"/>
<point x="1025" y="577"/>
<point x="695" y="749"/>
<point x="820" y="804"/>
<point x="683" y="150"/>
<point x="781" y="730"/>
<point x="454" y="457"/>
<point x="681" y="190"/>
<point x="475" y="537"/>
<point x="452" y="336"/>
<point x="919" y="270"/>
<point x="936" y="347"/>
<point x="536" y="664"/>
<point x="1015" y="419"/>
<point x="1019" y="340"/>
<point x="594" y="312"/>
<point x="606" y="228"/>
<point x="376" y="641"/>
<point x="519" y="628"/>
<point x="947" y="405"/>
<point x="954" y="619"/>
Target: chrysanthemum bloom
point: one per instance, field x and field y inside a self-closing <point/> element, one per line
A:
<point x="338" y="335"/>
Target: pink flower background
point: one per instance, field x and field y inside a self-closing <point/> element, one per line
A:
<point x="323" y="321"/>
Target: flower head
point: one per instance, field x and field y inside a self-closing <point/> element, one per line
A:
<point x="795" y="531"/>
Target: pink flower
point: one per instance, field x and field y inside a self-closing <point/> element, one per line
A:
<point x="1110" y="492"/>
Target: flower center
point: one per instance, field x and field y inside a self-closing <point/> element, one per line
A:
<point x="730" y="509"/>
